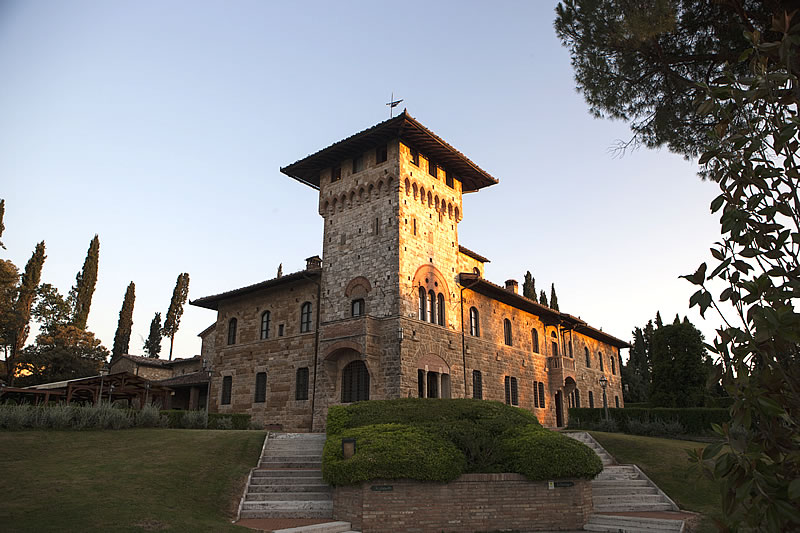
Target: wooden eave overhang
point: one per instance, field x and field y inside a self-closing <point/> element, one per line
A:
<point x="548" y="316"/>
<point x="411" y="133"/>
<point x="212" y="302"/>
<point x="474" y="255"/>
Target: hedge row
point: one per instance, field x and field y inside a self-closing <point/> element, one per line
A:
<point x="177" y="419"/>
<point x="695" y="420"/>
<point x="438" y="440"/>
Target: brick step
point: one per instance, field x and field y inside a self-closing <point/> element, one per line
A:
<point x="287" y="472"/>
<point x="312" y="465"/>
<point x="599" y="522"/>
<point x="283" y="487"/>
<point x="285" y="481"/>
<point x="292" y="496"/>
<point x="623" y="507"/>
<point x="327" y="527"/>
<point x="602" y="499"/>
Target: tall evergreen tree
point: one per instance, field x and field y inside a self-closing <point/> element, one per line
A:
<point x="529" y="286"/>
<point x="173" y="319"/>
<point x="659" y="322"/>
<point x="122" y="337"/>
<point x="680" y="368"/>
<point x="51" y="310"/>
<point x="2" y="226"/>
<point x="80" y="297"/>
<point x="553" y="297"/>
<point x="543" y="299"/>
<point x="152" y="346"/>
<point x="22" y="308"/>
<point x="9" y="285"/>
<point x="280" y="271"/>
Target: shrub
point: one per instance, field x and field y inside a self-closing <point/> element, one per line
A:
<point x="194" y="420"/>
<point x="391" y="451"/>
<point x="540" y="454"/>
<point x="223" y="423"/>
<point x="148" y="417"/>
<point x="694" y="420"/>
<point x="236" y="421"/>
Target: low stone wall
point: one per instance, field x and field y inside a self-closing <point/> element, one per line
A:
<point x="473" y="502"/>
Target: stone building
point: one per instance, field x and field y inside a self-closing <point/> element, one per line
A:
<point x="186" y="378"/>
<point x="396" y="307"/>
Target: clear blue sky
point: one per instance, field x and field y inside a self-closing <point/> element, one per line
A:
<point x="161" y="126"/>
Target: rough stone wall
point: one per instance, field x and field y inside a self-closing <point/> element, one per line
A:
<point x="148" y="372"/>
<point x="467" y="263"/>
<point x="208" y="346"/>
<point x="473" y="502"/>
<point x="179" y="367"/>
<point x="278" y="356"/>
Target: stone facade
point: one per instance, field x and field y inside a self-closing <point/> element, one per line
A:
<point x="473" y="502"/>
<point x="386" y="312"/>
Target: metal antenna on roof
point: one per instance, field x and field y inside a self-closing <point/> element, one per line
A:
<point x="392" y="103"/>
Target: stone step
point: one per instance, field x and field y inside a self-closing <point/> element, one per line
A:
<point x="624" y="507"/>
<point x="292" y="458"/>
<point x="299" y="507"/>
<point x="292" y="496"/>
<point x="290" y="513"/>
<point x="327" y="527"/>
<point x="284" y="481"/>
<point x="604" y="484"/>
<point x="603" y="499"/>
<point x="312" y="465"/>
<point x="263" y="472"/>
<point x="605" y="476"/>
<point x="615" y="490"/>
<point x="599" y="522"/>
<point x="283" y="487"/>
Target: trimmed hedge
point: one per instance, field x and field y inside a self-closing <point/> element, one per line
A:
<point x="391" y="451"/>
<point x="183" y="419"/>
<point x="438" y="440"/>
<point x="695" y="420"/>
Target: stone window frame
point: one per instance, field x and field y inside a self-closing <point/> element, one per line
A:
<point x="336" y="174"/>
<point x="358" y="163"/>
<point x="440" y="309"/>
<point x="301" y="384"/>
<point x="591" y="400"/>
<point x="613" y="366"/>
<point x="554" y="343"/>
<point x="588" y="357"/>
<point x="414" y="156"/>
<point x="422" y="303"/>
<point x="600" y="358"/>
<point x="512" y="391"/>
<point x="260" y="392"/>
<point x="305" y="317"/>
<point x="358" y="374"/>
<point x="616" y="401"/>
<point x="357" y="307"/>
<point x="474" y="322"/>
<point x="541" y="395"/>
<point x="232" y="326"/>
<point x="449" y="179"/>
<point x="433" y="169"/>
<point x="477" y="385"/>
<point x="226" y="390"/>
<point x="535" y="340"/>
<point x="507" y="335"/>
<point x="265" y="323"/>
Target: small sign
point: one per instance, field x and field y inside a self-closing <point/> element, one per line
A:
<point x="551" y="485"/>
<point x="382" y="488"/>
<point x="564" y="484"/>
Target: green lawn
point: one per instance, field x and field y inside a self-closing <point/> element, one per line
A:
<point x="665" y="462"/>
<point x="128" y="480"/>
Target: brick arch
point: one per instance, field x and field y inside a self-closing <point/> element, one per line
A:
<point x="433" y="362"/>
<point x="433" y="275"/>
<point x="414" y="189"/>
<point x="355" y="283"/>
<point x="342" y="201"/>
<point x="361" y="193"/>
<point x="422" y="194"/>
<point x="347" y="351"/>
<point x="408" y="187"/>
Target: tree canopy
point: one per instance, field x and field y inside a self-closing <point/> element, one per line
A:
<point x="68" y="353"/>
<point x="80" y="297"/>
<point x="529" y="286"/>
<point x="122" y="337"/>
<point x="680" y="366"/>
<point x="173" y="319"/>
<point x="152" y="346"/>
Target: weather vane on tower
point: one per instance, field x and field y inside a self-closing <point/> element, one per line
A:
<point x="392" y="103"/>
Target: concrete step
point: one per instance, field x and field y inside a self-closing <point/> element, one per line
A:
<point x="604" y="475"/>
<point x="624" y="507"/>
<point x="283" y="487"/>
<point x="291" y="496"/>
<point x="327" y="527"/>
<point x="598" y="522"/>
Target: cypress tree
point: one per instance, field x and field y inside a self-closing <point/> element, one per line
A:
<point x="529" y="286"/>
<point x="2" y="226"/>
<point x="173" y="318"/>
<point x="280" y="271"/>
<point x="553" y="297"/>
<point x="22" y="308"/>
<point x="152" y="346"/>
<point x="543" y="299"/>
<point x="80" y="296"/>
<point x="122" y="338"/>
<point x="659" y="323"/>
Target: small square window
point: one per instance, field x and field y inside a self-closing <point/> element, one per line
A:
<point x="381" y="154"/>
<point x="357" y="307"/>
<point x="280" y="330"/>
<point x="448" y="179"/>
<point x="358" y="164"/>
<point x="414" y="157"/>
<point x="336" y="174"/>
<point x="432" y="168"/>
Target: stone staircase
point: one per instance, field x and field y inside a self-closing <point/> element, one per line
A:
<point x="288" y="480"/>
<point x="625" y="489"/>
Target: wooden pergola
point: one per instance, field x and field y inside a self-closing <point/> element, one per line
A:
<point x="111" y="387"/>
<point x="38" y="396"/>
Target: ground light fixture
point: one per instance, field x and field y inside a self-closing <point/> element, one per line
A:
<point x="348" y="447"/>
<point x="604" y="384"/>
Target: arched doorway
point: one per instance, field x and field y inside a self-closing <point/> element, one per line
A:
<point x="355" y="382"/>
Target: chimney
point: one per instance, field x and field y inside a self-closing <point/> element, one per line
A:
<point x="512" y="285"/>
<point x="314" y="263"/>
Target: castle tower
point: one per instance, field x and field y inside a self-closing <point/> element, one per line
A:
<point x="391" y="200"/>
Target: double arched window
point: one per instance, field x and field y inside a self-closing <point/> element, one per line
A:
<point x="265" y="324"/>
<point x="474" y="322"/>
<point x="431" y="307"/>
<point x="507" y="332"/>
<point x="535" y="340"/>
<point x="422" y="304"/>
<point x="305" y="317"/>
<point x="232" y="331"/>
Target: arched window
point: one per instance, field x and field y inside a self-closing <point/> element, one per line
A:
<point x="600" y="358"/>
<point x="432" y="307"/>
<point x="588" y="359"/>
<point x="227" y="383"/>
<point x="355" y="382"/>
<point x="301" y="384"/>
<point x="613" y="366"/>
<point x="422" y="300"/>
<point x="261" y="388"/>
<point x="591" y="400"/>
<point x="440" y="308"/>
<point x="507" y="332"/>
<point x="357" y="307"/>
<point x="535" y="340"/>
<point x="474" y="322"/>
<point x="232" y="331"/>
<point x="305" y="317"/>
<point x="554" y="343"/>
<point x="265" y="325"/>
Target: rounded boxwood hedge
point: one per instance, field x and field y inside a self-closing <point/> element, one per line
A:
<point x="391" y="451"/>
<point x="438" y="440"/>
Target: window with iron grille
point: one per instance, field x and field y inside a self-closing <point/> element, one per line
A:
<point x="265" y="325"/>
<point x="227" y="383"/>
<point x="355" y="382"/>
<point x="261" y="388"/>
<point x="477" y="385"/>
<point x="232" y="331"/>
<point x="305" y="317"/>
<point x="301" y="384"/>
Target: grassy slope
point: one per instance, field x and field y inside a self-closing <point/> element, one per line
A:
<point x="666" y="463"/>
<point x="129" y="480"/>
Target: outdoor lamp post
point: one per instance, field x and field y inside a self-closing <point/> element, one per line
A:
<point x="348" y="448"/>
<point x="210" y="371"/>
<point x="604" y="384"/>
